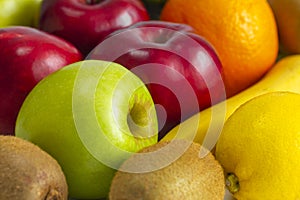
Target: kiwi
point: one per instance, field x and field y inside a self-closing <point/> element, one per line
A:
<point x="189" y="177"/>
<point x="29" y="173"/>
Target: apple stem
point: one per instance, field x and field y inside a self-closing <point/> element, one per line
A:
<point x="232" y="183"/>
<point x="93" y="2"/>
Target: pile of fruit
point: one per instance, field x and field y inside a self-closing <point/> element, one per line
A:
<point x="149" y="99"/>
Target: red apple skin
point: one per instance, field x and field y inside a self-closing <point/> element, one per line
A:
<point x="84" y="23"/>
<point x="153" y="42"/>
<point x="27" y="55"/>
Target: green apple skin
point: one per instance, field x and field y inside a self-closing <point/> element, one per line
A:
<point x="19" y="12"/>
<point x="62" y="115"/>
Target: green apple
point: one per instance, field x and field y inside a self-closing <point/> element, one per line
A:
<point x="90" y="116"/>
<point x="19" y="12"/>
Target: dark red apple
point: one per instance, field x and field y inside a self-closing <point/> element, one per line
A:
<point x="86" y="22"/>
<point x="27" y="55"/>
<point x="182" y="70"/>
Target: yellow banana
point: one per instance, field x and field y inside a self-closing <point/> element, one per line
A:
<point x="205" y="126"/>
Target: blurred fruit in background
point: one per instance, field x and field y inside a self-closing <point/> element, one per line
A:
<point x="19" y="12"/>
<point x="244" y="33"/>
<point x="154" y="7"/>
<point x="287" y="14"/>
<point x="85" y="22"/>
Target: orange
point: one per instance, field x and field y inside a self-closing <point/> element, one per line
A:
<point x="287" y="14"/>
<point x="243" y="32"/>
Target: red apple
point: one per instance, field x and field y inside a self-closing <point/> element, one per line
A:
<point x="86" y="22"/>
<point x="27" y="55"/>
<point x="181" y="69"/>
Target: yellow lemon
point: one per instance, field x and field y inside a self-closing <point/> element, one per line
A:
<point x="287" y="15"/>
<point x="259" y="148"/>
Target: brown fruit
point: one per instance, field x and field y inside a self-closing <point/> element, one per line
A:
<point x="189" y="177"/>
<point x="29" y="173"/>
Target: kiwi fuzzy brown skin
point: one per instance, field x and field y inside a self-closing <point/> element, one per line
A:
<point x="189" y="177"/>
<point x="29" y="173"/>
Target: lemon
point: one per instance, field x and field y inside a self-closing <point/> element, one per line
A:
<point x="287" y="15"/>
<point x="259" y="148"/>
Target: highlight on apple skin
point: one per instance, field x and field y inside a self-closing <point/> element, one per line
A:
<point x="90" y="116"/>
<point x="86" y="22"/>
<point x="27" y="56"/>
<point x="181" y="69"/>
